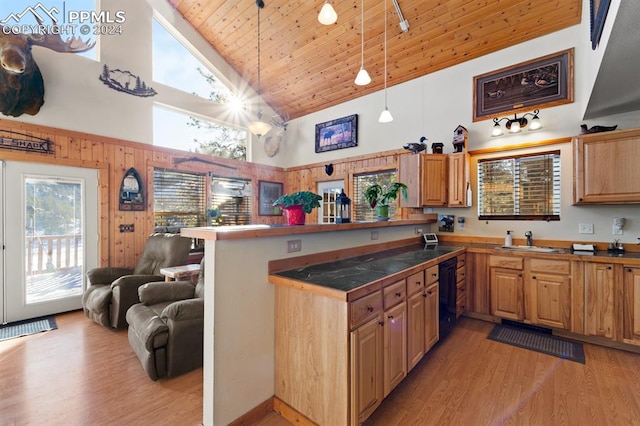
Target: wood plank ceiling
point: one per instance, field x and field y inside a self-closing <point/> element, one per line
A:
<point x="306" y="66"/>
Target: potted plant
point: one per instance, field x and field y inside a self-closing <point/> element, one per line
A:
<point x="295" y="205"/>
<point x="379" y="197"/>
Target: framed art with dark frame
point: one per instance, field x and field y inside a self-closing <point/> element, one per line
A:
<point x="268" y="192"/>
<point x="539" y="83"/>
<point x="337" y="134"/>
<point x="599" y="10"/>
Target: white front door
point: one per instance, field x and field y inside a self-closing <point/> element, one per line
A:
<point x="329" y="192"/>
<point x="50" y="239"/>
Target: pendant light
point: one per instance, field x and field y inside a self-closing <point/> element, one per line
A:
<point x="259" y="127"/>
<point x="362" y="79"/>
<point x="328" y="15"/>
<point x="385" y="115"/>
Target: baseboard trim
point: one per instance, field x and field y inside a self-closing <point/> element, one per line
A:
<point x="255" y="415"/>
<point x="290" y="414"/>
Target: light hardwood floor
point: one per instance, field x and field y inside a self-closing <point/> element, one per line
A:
<point x="84" y="374"/>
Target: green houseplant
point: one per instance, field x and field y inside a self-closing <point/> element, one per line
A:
<point x="295" y="205"/>
<point x="379" y="197"/>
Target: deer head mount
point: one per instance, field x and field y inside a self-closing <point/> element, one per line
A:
<point x="21" y="84"/>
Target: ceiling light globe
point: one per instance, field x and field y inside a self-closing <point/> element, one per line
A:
<point x="385" y="116"/>
<point x="362" y="79"/>
<point x="328" y="15"/>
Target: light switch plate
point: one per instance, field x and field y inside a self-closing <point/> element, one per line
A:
<point x="585" y="228"/>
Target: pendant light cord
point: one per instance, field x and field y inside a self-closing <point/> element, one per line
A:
<point x="260" y="6"/>
<point x="362" y="34"/>
<point x="385" y="53"/>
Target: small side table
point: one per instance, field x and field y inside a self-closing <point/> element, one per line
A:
<point x="184" y="272"/>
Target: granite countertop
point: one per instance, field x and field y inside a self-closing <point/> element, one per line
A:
<point x="349" y="274"/>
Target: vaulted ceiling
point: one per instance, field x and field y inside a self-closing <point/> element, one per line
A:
<point x="306" y="66"/>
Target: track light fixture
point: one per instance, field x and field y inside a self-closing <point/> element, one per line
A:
<point x="327" y="15"/>
<point x="515" y="124"/>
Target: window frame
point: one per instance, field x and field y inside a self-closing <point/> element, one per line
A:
<point x="556" y="201"/>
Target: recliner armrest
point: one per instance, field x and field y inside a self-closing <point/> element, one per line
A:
<point x="182" y="310"/>
<point x="156" y="292"/>
<point x="129" y="282"/>
<point x="106" y="275"/>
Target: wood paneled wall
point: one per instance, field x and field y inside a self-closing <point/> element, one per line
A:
<point x="308" y="176"/>
<point x="112" y="158"/>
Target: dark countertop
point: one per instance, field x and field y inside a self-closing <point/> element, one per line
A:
<point x="351" y="273"/>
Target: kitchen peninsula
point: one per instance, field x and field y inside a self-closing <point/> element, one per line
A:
<point x="239" y="335"/>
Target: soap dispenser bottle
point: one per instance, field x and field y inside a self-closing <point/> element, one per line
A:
<point x="508" y="239"/>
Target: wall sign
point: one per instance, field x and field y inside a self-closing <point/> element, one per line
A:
<point x="28" y="143"/>
<point x="126" y="82"/>
<point x="132" y="192"/>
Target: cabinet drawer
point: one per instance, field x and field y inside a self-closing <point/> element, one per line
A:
<point x="394" y="294"/>
<point x="462" y="259"/>
<point x="364" y="309"/>
<point x="431" y="275"/>
<point x="461" y="305"/>
<point x="550" y="266"/>
<point x="460" y="273"/>
<point x="415" y="283"/>
<point x="506" y="262"/>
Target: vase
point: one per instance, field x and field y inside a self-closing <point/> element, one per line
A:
<point x="383" y="213"/>
<point x="294" y="214"/>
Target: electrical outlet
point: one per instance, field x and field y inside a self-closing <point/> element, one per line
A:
<point x="294" y="245"/>
<point x="419" y="231"/>
<point x="616" y="230"/>
<point x="374" y="235"/>
<point x="585" y="228"/>
<point x="126" y="228"/>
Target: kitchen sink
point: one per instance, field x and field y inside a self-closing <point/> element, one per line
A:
<point x="530" y="248"/>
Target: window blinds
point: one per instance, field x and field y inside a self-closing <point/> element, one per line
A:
<point x="520" y="187"/>
<point x="361" y="210"/>
<point x="232" y="198"/>
<point x="178" y="198"/>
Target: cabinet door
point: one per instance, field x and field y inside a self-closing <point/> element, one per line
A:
<point x="551" y="300"/>
<point x="415" y="329"/>
<point x="631" y="306"/>
<point x="458" y="178"/>
<point x="431" y="317"/>
<point x="434" y="180"/>
<point x="605" y="168"/>
<point x="507" y="295"/>
<point x="477" y="271"/>
<point x="409" y="168"/>
<point x="366" y="369"/>
<point x="395" y="347"/>
<point x="598" y="287"/>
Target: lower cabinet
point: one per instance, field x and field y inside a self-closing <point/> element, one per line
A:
<point x="432" y="316"/>
<point x="395" y="347"/>
<point x="367" y="381"/>
<point x="507" y="293"/>
<point x="599" y="300"/>
<point x="415" y="329"/>
<point x="548" y="291"/>
<point x="631" y="305"/>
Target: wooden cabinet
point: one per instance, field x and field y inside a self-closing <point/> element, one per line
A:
<point x="606" y="169"/>
<point x="458" y="164"/>
<point x="395" y="346"/>
<point x="431" y="316"/>
<point x="599" y="300"/>
<point x="548" y="291"/>
<point x="507" y="290"/>
<point x="367" y="379"/>
<point x="426" y="178"/>
<point x="631" y="305"/>
<point x="415" y="319"/>
<point x="461" y="286"/>
<point x="477" y="283"/>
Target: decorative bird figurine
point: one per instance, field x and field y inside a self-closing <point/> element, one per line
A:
<point x="596" y="129"/>
<point x="416" y="147"/>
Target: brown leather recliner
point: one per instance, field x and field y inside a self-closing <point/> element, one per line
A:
<point x="111" y="291"/>
<point x="166" y="328"/>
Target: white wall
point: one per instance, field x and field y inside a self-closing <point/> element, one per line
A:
<point x="434" y="105"/>
<point x="76" y="100"/>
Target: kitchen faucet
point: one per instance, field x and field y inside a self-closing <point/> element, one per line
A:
<point x="529" y="236"/>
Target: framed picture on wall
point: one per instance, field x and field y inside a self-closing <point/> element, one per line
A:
<point x="268" y="192"/>
<point x="337" y="134"/>
<point x="538" y="83"/>
<point x="599" y="10"/>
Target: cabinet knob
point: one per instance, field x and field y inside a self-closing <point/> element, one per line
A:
<point x="629" y="270"/>
<point x="579" y="199"/>
<point x="609" y="267"/>
<point x="390" y="317"/>
<point x="369" y="308"/>
<point x="381" y="323"/>
<point x="520" y="275"/>
<point x="418" y="283"/>
<point x="533" y="277"/>
<point x="434" y="275"/>
<point x="398" y="294"/>
<point x="430" y="292"/>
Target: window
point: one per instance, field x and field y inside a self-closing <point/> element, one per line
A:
<point x="230" y="201"/>
<point x="361" y="209"/>
<point x="179" y="198"/>
<point x="520" y="187"/>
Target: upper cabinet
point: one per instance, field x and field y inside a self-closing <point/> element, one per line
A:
<point x="458" y="180"/>
<point x="606" y="167"/>
<point x="426" y="178"/>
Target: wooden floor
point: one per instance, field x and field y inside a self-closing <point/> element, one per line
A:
<point x="85" y="374"/>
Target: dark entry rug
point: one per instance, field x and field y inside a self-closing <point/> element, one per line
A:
<point x="539" y="342"/>
<point x="27" y="327"/>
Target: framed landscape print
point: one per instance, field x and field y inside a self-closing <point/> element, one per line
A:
<point x="268" y="192"/>
<point x="337" y="134"/>
<point x="539" y="83"/>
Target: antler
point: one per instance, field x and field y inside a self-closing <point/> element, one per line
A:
<point x="56" y="43"/>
